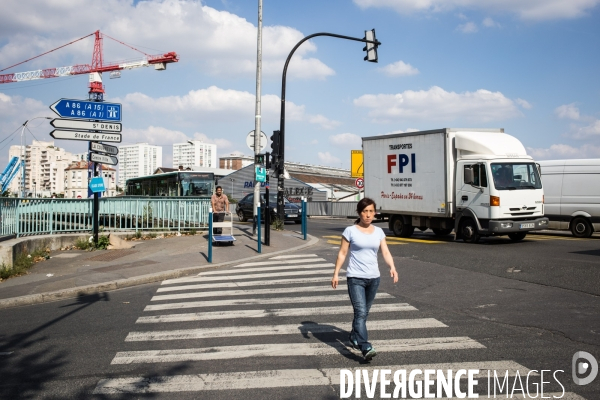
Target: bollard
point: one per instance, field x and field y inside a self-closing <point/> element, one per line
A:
<point x="304" y="219"/>
<point x="210" y="234"/>
<point x="259" y="240"/>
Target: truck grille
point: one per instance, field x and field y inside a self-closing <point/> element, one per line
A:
<point x="520" y="209"/>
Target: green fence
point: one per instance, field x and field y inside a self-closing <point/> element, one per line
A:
<point x="25" y="217"/>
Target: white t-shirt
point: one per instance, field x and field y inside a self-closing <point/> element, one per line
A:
<point x="363" y="252"/>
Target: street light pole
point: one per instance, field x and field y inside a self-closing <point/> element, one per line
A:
<point x="280" y="170"/>
<point x="23" y="153"/>
<point x="257" y="116"/>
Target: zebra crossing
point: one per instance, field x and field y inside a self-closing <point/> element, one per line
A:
<point x="228" y="318"/>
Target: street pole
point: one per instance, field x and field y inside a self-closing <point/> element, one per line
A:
<point x="280" y="179"/>
<point x="257" y="117"/>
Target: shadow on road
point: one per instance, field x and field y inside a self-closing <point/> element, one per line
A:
<point x="27" y="363"/>
<point x="330" y="335"/>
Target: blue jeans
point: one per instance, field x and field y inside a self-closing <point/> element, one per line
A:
<point x="362" y="293"/>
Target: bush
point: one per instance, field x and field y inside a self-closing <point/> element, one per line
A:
<point x="277" y="224"/>
<point x="83" y="244"/>
<point x="152" y="235"/>
<point x="192" y="232"/>
<point x="138" y="234"/>
<point x="103" y="242"/>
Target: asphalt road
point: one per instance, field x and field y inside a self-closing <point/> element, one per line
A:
<point x="496" y="305"/>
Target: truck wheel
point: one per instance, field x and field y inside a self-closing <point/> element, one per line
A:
<point x="581" y="227"/>
<point x="241" y="216"/>
<point x="517" y="236"/>
<point x="401" y="229"/>
<point x="469" y="231"/>
<point x="441" y="232"/>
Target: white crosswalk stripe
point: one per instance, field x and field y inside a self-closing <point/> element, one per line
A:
<point x="250" y="283"/>
<point x="222" y="293"/>
<point x="291" y="349"/>
<point x="247" y="302"/>
<point x="290" y="329"/>
<point x="311" y="328"/>
<point x="277" y="312"/>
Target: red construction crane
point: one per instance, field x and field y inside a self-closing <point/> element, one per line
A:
<point x="95" y="69"/>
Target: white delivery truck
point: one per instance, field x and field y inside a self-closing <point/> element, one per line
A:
<point x="572" y="195"/>
<point x="477" y="182"/>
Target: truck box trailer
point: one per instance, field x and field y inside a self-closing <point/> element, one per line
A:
<point x="477" y="182"/>
<point x="572" y="195"/>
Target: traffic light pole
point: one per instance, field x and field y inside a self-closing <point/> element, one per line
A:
<point x="280" y="166"/>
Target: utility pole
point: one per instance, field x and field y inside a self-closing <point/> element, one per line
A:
<point x="257" y="116"/>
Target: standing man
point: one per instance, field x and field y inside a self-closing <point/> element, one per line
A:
<point x="220" y="205"/>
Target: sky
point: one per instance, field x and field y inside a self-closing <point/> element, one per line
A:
<point x="528" y="66"/>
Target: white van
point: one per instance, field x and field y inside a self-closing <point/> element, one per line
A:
<point x="572" y="195"/>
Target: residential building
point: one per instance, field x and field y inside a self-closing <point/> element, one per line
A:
<point x="45" y="164"/>
<point x="140" y="159"/>
<point x="235" y="161"/>
<point x="77" y="176"/>
<point x="194" y="153"/>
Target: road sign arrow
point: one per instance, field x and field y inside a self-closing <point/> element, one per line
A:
<point x="86" y="125"/>
<point x="104" y="148"/>
<point x="104" y="159"/>
<point x="86" y="136"/>
<point x="83" y="109"/>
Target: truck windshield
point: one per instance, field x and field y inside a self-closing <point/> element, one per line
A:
<point x="516" y="176"/>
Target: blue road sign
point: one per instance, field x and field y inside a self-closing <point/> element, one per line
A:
<point x="97" y="184"/>
<point x="83" y="109"/>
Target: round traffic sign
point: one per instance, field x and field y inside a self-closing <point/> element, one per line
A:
<point x="360" y="183"/>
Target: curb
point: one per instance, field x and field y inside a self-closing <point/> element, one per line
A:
<point x="130" y="282"/>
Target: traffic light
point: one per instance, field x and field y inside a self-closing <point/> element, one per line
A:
<point x="268" y="160"/>
<point x="275" y="148"/>
<point x="370" y="48"/>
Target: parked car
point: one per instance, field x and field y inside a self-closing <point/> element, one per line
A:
<point x="245" y="208"/>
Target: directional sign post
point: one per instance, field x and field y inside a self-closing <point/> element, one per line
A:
<point x="82" y="109"/>
<point x="104" y="148"/>
<point x="86" y="125"/>
<point x="103" y="159"/>
<point x="86" y="136"/>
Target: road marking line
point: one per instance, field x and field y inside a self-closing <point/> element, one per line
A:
<point x="290" y="329"/>
<point x="290" y="350"/>
<point x="428" y="241"/>
<point x="275" y="312"/>
<point x="276" y="378"/>
<point x="246" y="284"/>
<point x="262" y="269"/>
<point x="293" y="256"/>
<point x="246" y="292"/>
<point x="246" y="302"/>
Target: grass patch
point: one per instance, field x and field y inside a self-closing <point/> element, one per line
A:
<point x="83" y="244"/>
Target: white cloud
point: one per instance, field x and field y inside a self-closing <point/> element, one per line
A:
<point x="438" y="104"/>
<point x="524" y="104"/>
<point x="469" y="27"/>
<point x="591" y="131"/>
<point x="490" y="23"/>
<point x="349" y="140"/>
<point x="328" y="159"/>
<point x="399" y="68"/>
<point x="563" y="151"/>
<point x="567" y="111"/>
<point x="528" y="10"/>
<point x="220" y="105"/>
<point x="217" y="42"/>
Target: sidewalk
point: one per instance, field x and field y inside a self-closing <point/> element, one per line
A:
<point x="74" y="273"/>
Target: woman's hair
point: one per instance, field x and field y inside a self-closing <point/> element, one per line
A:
<point x="364" y="203"/>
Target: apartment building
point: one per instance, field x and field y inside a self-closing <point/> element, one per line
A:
<point x="77" y="176"/>
<point x="194" y="153"/>
<point x="45" y="166"/>
<point x="235" y="161"/>
<point x="139" y="159"/>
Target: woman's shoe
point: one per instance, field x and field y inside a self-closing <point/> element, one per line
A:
<point x="369" y="354"/>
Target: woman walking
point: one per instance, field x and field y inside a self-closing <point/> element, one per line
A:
<point x="364" y="240"/>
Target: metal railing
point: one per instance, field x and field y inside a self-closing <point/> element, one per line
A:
<point x="331" y="209"/>
<point x="25" y="217"/>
